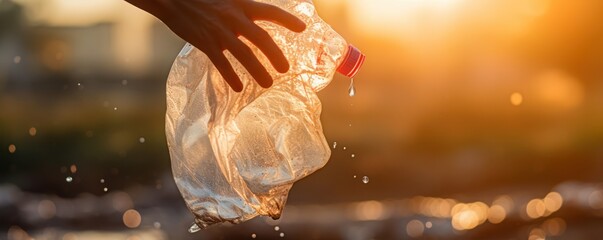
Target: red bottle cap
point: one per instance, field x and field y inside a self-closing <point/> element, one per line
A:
<point x="351" y="62"/>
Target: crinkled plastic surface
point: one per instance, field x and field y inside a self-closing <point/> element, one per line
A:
<point x="236" y="155"/>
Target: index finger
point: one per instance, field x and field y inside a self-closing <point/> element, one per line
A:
<point x="264" y="11"/>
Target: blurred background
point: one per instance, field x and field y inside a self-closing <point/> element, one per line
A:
<point x="471" y="120"/>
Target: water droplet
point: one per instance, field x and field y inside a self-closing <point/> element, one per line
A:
<point x="365" y="179"/>
<point x="253" y="235"/>
<point x="105" y="189"/>
<point x="79" y="84"/>
<point x="352" y="90"/>
<point x="68" y="179"/>
<point x="102" y="180"/>
<point x="353" y="155"/>
<point x="350" y="125"/>
<point x="344" y="148"/>
<point x="17" y="59"/>
<point x="115" y="108"/>
<point x="277" y="228"/>
<point x="141" y="140"/>
<point x="157" y="225"/>
<point x="334" y="145"/>
<point x="194" y="228"/>
<point x="282" y="234"/>
<point x="354" y="176"/>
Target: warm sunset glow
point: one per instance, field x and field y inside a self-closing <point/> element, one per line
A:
<point x="557" y="90"/>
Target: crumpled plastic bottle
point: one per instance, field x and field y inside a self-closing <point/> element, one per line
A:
<point x="236" y="155"/>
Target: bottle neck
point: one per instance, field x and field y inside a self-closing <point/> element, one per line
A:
<point x="352" y="61"/>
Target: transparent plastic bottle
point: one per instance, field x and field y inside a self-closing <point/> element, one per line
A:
<point x="236" y="155"/>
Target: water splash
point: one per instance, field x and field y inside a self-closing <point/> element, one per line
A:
<point x="365" y="179"/>
<point x="352" y="90"/>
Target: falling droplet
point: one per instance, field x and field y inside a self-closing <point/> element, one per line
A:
<point x="353" y="155"/>
<point x="68" y="179"/>
<point x="365" y="179"/>
<point x="253" y="235"/>
<point x="352" y="90"/>
<point x="141" y="140"/>
<point x="79" y="84"/>
<point x="194" y="228"/>
<point x="105" y="189"/>
<point x="344" y="148"/>
<point x="282" y="234"/>
<point x="334" y="145"/>
<point x="354" y="176"/>
<point x="102" y="180"/>
<point x="277" y="228"/>
<point x="115" y="108"/>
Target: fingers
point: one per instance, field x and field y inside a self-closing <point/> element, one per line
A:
<point x="261" y="39"/>
<point x="264" y="11"/>
<point x="246" y="57"/>
<point x="225" y="69"/>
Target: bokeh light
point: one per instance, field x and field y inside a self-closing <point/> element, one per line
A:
<point x="131" y="218"/>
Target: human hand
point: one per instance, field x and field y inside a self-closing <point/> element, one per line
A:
<point x="213" y="26"/>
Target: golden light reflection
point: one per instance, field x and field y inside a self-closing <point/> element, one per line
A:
<point x="537" y="234"/>
<point x="433" y="207"/>
<point x="516" y="99"/>
<point x="131" y="218"/>
<point x="496" y="214"/>
<point x="16" y="232"/>
<point x="33" y="131"/>
<point x="504" y="201"/>
<point x="46" y="209"/>
<point x="535" y="208"/>
<point x="415" y="228"/>
<point x="553" y="201"/>
<point x="12" y="148"/>
<point x="555" y="89"/>
<point x="121" y="201"/>
<point x="369" y="210"/>
<point x="595" y="199"/>
<point x="554" y="227"/>
<point x="469" y="216"/>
